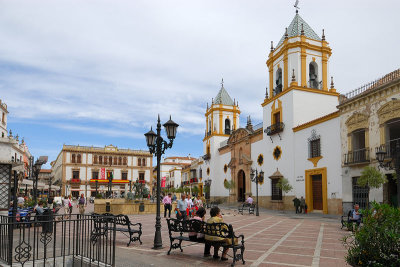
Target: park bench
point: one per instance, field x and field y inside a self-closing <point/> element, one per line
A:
<point x="246" y="206"/>
<point x="347" y="221"/>
<point x="105" y="222"/>
<point x="177" y="229"/>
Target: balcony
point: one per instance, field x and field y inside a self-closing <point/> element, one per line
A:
<point x="207" y="156"/>
<point x="75" y="181"/>
<point x="275" y="128"/>
<point x="185" y="183"/>
<point x="194" y="180"/>
<point x="357" y="156"/>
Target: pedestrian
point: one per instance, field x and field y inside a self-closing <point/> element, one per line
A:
<point x="167" y="201"/>
<point x="20" y="201"/>
<point x="181" y="208"/>
<point x="302" y="205"/>
<point x="81" y="204"/>
<point x="70" y="205"/>
<point x="296" y="203"/>
<point x="174" y="198"/>
<point x="66" y="204"/>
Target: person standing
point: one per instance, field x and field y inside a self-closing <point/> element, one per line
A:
<point x="181" y="208"/>
<point x="296" y="203"/>
<point x="302" y="205"/>
<point x="20" y="201"/>
<point x="66" y="204"/>
<point x="81" y="204"/>
<point x="167" y="201"/>
<point x="70" y="206"/>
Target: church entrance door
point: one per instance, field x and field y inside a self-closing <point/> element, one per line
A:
<point x="241" y="186"/>
<point x="317" y="191"/>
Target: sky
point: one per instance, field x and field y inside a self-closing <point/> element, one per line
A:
<point x="99" y="72"/>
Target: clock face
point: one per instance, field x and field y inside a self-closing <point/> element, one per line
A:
<point x="277" y="153"/>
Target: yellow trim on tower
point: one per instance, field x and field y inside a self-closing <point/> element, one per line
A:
<point x="324" y="72"/>
<point x="271" y="80"/>
<point x="316" y="121"/>
<point x="220" y="120"/>
<point x="275" y="110"/>
<point x="286" y="71"/>
<point x="309" y="194"/>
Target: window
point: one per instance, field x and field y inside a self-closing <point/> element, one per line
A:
<point x="124" y="175"/>
<point x="95" y="175"/>
<point x="313" y="75"/>
<point x="2" y="134"/>
<point x="139" y="162"/>
<point x="315" y="148"/>
<point x="120" y="161"/>
<point x="227" y="126"/>
<point x="110" y="160"/>
<point x="201" y="173"/>
<point x="73" y="158"/>
<point x="115" y="161"/>
<point x="143" y="162"/>
<point x="3" y="118"/>
<point x="105" y="159"/>
<point x="95" y="159"/>
<point x="100" y="159"/>
<point x="277" y="118"/>
<point x="278" y="88"/>
<point x="79" y="158"/>
<point x="141" y="176"/>
<point x="125" y="161"/>
<point x="276" y="191"/>
<point x="75" y="174"/>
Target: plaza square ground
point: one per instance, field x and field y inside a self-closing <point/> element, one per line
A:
<point x="272" y="239"/>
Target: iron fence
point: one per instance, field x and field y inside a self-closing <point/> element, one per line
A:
<point x="357" y="156"/>
<point x="57" y="241"/>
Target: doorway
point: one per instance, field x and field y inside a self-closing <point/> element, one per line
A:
<point x="317" y="191"/>
<point x="241" y="186"/>
<point x="391" y="190"/>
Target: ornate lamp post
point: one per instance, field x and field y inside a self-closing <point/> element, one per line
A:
<point x="157" y="146"/>
<point x="257" y="178"/>
<point x="392" y="164"/>
<point x="35" y="174"/>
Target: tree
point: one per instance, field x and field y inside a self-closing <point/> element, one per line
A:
<point x="284" y="185"/>
<point x="229" y="185"/>
<point x="371" y="177"/>
<point x="179" y="190"/>
<point x="186" y="190"/>
<point x="195" y="190"/>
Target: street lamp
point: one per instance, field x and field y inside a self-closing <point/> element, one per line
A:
<point x="35" y="173"/>
<point x="257" y="178"/>
<point x="393" y="163"/>
<point x="157" y="146"/>
<point x="97" y="184"/>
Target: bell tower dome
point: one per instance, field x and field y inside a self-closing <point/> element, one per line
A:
<point x="300" y="59"/>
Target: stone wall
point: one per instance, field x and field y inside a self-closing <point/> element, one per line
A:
<point x="128" y="207"/>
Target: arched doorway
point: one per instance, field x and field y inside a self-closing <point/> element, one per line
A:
<point x="241" y="186"/>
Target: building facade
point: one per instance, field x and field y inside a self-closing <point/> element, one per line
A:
<point x="79" y="167"/>
<point x="369" y="121"/>
<point x="295" y="139"/>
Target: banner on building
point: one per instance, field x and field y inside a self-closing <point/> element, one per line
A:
<point x="163" y="179"/>
<point x="103" y="173"/>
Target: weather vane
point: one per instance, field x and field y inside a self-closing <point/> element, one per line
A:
<point x="222" y="82"/>
<point x="296" y="6"/>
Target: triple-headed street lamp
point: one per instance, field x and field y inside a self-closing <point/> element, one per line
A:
<point x="393" y="163"/>
<point x="157" y="146"/>
<point x="257" y="178"/>
<point x="35" y="173"/>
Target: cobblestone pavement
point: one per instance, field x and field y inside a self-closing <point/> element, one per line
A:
<point x="272" y="239"/>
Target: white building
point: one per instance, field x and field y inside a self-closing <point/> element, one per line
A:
<point x="171" y="170"/>
<point x="79" y="167"/>
<point x="299" y="137"/>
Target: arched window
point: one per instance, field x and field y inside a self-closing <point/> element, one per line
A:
<point x="110" y="160"/>
<point x="120" y="161"/>
<point x="100" y="159"/>
<point x="115" y="161"/>
<point x="313" y="73"/>
<point x="125" y="161"/>
<point x="143" y="162"/>
<point x="95" y="159"/>
<point x="73" y="158"/>
<point x="278" y="81"/>
<point x="209" y="127"/>
<point x="139" y="162"/>
<point x="79" y="158"/>
<point x="227" y="126"/>
<point x="105" y="159"/>
<point x="208" y="150"/>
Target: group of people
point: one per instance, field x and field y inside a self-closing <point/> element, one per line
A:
<point x="68" y="205"/>
<point x="300" y="205"/>
<point x="186" y="206"/>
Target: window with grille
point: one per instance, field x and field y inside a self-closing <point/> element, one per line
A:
<point x="95" y="175"/>
<point x="315" y="148"/>
<point x="143" y="162"/>
<point x="139" y="162"/>
<point x="75" y="174"/>
<point x="73" y="158"/>
<point x="124" y="175"/>
<point x="276" y="191"/>
<point x="141" y="176"/>
<point x="79" y="158"/>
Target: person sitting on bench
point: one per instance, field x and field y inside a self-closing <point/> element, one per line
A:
<point x="249" y="201"/>
<point x="355" y="215"/>
<point x="200" y="216"/>
<point x="215" y="241"/>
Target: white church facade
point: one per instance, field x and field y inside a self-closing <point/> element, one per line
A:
<point x="299" y="137"/>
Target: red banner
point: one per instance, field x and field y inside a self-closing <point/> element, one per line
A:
<point x="103" y="173"/>
<point x="163" y="179"/>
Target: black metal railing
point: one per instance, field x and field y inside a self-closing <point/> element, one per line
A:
<point x="357" y="156"/>
<point x="207" y="156"/>
<point x="56" y="241"/>
<point x="275" y="128"/>
<point x="389" y="148"/>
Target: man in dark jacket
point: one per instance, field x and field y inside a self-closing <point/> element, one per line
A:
<point x="296" y="203"/>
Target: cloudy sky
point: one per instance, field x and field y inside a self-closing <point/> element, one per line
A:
<point x="99" y="72"/>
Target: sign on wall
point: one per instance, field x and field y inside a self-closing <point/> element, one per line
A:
<point x="103" y="173"/>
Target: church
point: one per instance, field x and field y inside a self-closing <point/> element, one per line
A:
<point x="298" y="139"/>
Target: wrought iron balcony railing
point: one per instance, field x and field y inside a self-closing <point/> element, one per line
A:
<point x="207" y="156"/>
<point x="275" y="128"/>
<point x="357" y="156"/>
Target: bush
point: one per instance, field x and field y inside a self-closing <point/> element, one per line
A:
<point x="377" y="242"/>
<point x="99" y="196"/>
